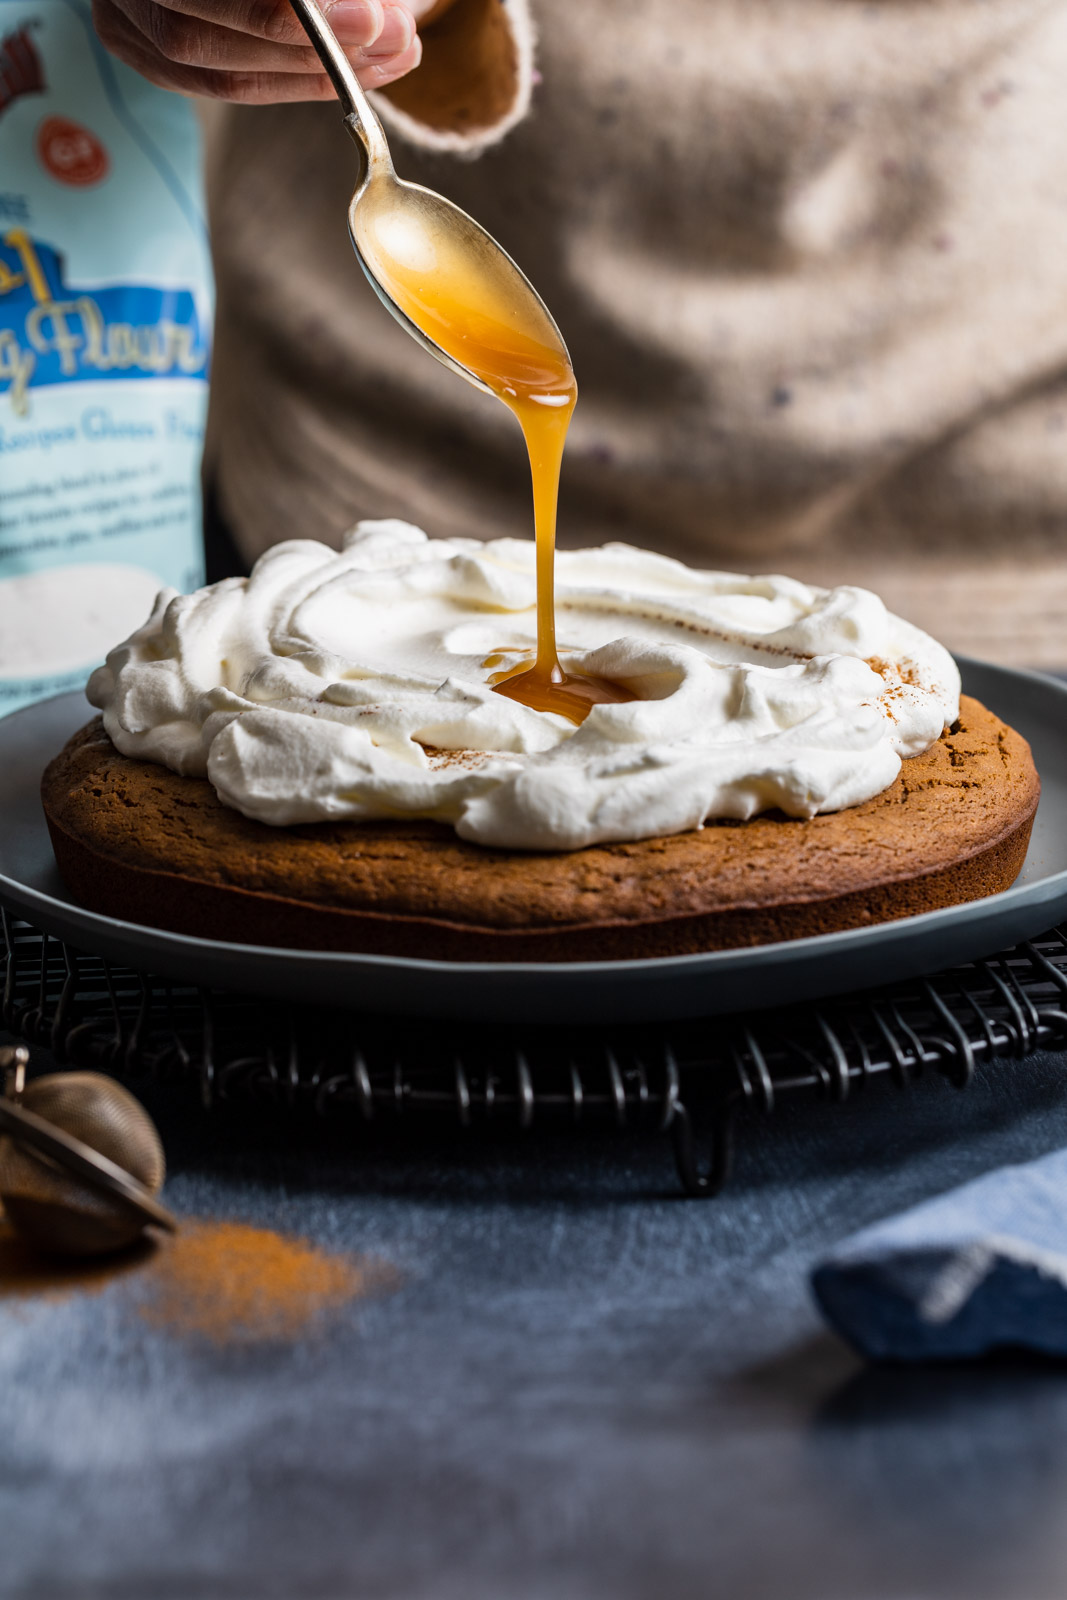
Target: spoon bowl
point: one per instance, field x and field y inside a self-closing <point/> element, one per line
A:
<point x="447" y="281"/>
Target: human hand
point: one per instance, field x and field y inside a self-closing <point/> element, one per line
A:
<point x="255" y="51"/>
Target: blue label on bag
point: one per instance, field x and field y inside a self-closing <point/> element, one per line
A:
<point x="53" y="332"/>
<point x="105" y="314"/>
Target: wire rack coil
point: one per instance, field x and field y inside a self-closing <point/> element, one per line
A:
<point x="688" y="1081"/>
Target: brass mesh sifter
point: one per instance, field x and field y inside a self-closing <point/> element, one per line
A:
<point x="80" y="1160"/>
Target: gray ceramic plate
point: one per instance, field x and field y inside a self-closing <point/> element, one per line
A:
<point x="726" y="980"/>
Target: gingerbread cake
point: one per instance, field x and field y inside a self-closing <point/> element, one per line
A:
<point x="136" y="841"/>
<point x="318" y="756"/>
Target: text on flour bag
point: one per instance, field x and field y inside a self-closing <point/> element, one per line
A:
<point x="105" y="307"/>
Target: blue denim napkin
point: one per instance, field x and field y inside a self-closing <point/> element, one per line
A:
<point x="980" y="1267"/>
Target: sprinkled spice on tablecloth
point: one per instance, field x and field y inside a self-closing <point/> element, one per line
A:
<point x="227" y="1282"/>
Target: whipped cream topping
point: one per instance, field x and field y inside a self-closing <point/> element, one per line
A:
<point x="356" y="685"/>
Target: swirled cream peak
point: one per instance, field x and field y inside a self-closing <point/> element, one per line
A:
<point x="356" y="685"/>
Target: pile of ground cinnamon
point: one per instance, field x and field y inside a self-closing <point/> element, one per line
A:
<point x="227" y="1282"/>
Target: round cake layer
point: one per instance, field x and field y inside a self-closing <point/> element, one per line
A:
<point x="136" y="841"/>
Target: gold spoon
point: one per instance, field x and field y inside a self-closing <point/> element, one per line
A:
<point x="445" y="280"/>
<point x="462" y="298"/>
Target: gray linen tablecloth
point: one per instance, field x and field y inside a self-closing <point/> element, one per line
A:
<point x="583" y="1386"/>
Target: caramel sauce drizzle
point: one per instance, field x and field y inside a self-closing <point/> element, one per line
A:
<point x="505" y="339"/>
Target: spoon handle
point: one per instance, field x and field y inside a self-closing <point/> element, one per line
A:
<point x="360" y="117"/>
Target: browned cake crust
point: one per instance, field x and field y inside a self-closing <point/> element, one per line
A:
<point x="135" y="841"/>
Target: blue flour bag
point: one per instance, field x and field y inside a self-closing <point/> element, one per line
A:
<point x="105" y="305"/>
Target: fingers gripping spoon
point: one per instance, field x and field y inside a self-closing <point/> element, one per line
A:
<point x="462" y="298"/>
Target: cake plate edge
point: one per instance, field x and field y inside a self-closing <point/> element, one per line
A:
<point x="714" y="983"/>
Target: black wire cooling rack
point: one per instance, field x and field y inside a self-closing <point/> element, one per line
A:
<point x="687" y="1080"/>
